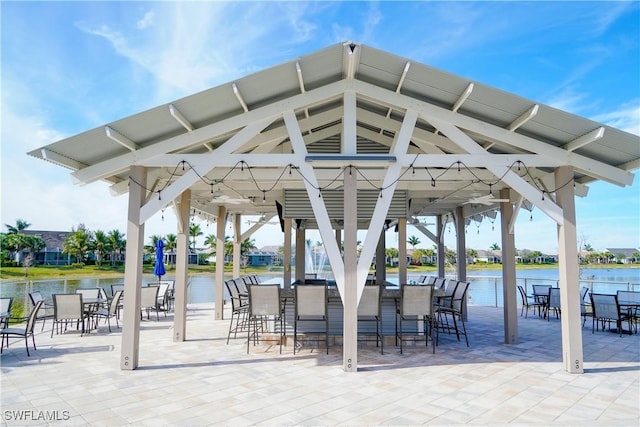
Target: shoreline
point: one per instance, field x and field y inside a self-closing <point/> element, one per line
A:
<point x="12" y="274"/>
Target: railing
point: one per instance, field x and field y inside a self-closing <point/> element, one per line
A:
<point x="484" y="290"/>
<point x="487" y="290"/>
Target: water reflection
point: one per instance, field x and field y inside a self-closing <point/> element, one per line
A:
<point x="486" y="285"/>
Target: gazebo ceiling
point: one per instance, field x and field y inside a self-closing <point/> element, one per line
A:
<point x="234" y="140"/>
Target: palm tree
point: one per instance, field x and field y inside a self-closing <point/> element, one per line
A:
<point x="413" y="241"/>
<point x="170" y="244"/>
<point x="211" y="241"/>
<point x="495" y="247"/>
<point x="78" y="243"/>
<point x="117" y="243"/>
<point x="194" y="231"/>
<point x="102" y="245"/>
<point x="151" y="248"/>
<point x="19" y="227"/>
<point x="246" y="246"/>
<point x="391" y="254"/>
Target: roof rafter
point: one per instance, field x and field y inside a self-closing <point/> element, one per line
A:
<point x="192" y="175"/>
<point x="180" y="118"/>
<point x="583" y="164"/>
<point x="116" y="136"/>
<point x="524" y="118"/>
<point x="236" y="92"/>
<point x="586" y="139"/>
<point x="198" y="136"/>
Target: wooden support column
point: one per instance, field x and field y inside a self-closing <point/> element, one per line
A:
<point x="461" y="246"/>
<point x="182" y="264"/>
<point x="129" y="354"/>
<point x="287" y="253"/>
<point x="301" y="253"/>
<point x="381" y="259"/>
<point x="572" y="351"/>
<point x="350" y="297"/>
<point x="440" y="248"/>
<point x="219" y="298"/>
<point x="402" y="251"/>
<point x="509" y="290"/>
<point x="237" y="242"/>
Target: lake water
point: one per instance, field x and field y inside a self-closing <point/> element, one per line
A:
<point x="485" y="289"/>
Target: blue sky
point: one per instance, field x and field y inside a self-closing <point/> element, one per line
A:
<point x="68" y="67"/>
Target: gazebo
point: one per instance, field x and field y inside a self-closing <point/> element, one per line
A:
<point x="344" y="139"/>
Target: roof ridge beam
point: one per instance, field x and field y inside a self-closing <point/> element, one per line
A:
<point x="351" y="60"/>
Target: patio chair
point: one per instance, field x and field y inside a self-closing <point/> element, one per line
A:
<point x="239" y="310"/>
<point x="440" y="282"/>
<point x="370" y="310"/>
<point x="46" y="310"/>
<point x="149" y="300"/>
<point x="606" y="310"/>
<point x="311" y="305"/>
<point x="416" y="309"/>
<point x="553" y="303"/>
<point x="162" y="301"/>
<point x="430" y="280"/>
<point x="528" y="301"/>
<point x="89" y="294"/>
<point x="265" y="305"/>
<point x="68" y="308"/>
<point x="241" y="286"/>
<point x="25" y="332"/>
<point x="5" y="311"/>
<point x="453" y="306"/>
<point x="541" y="293"/>
<point x="115" y="288"/>
<point x="630" y="301"/>
<point x="112" y="311"/>
<point x="586" y="310"/>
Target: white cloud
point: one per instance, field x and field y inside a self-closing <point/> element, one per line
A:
<point x="627" y="118"/>
<point x="146" y="21"/>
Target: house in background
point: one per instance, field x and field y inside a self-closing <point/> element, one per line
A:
<point x="490" y="257"/>
<point x="267" y="255"/>
<point x="546" y="259"/>
<point x="51" y="254"/>
<point x="624" y="255"/>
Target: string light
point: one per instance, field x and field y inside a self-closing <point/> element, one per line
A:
<point x="458" y="164"/>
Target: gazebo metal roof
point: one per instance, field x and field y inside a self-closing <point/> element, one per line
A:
<point x="350" y="123"/>
<point x="504" y="131"/>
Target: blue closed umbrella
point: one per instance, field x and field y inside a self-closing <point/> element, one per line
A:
<point x="158" y="270"/>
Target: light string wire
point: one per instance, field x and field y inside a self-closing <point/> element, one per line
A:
<point x="434" y="178"/>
